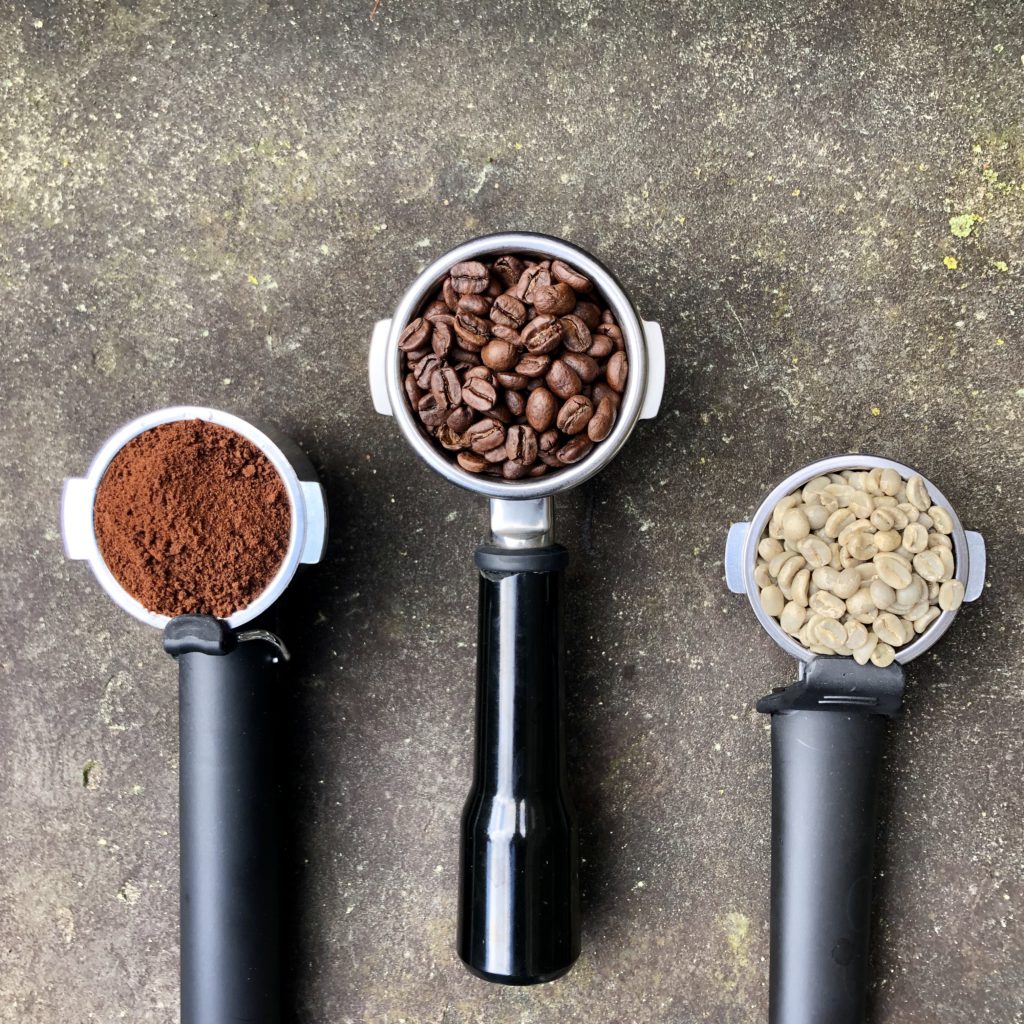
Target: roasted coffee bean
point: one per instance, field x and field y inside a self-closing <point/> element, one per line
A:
<point x="485" y="435"/>
<point x="616" y="372"/>
<point x="479" y="394"/>
<point x="574" y="416"/>
<point x="469" y="277"/>
<point x="424" y="370"/>
<point x="441" y="340"/>
<point x="573" y="278"/>
<point x="543" y="334"/>
<point x="508" y="269"/>
<point x="541" y="408"/>
<point x="499" y="355"/>
<point x="496" y="455"/>
<point x="538" y="469"/>
<point x="533" y="365"/>
<point x="585" y="367"/>
<point x="432" y="412"/>
<point x="449" y="295"/>
<point x="462" y="355"/>
<point x="481" y="373"/>
<point x="577" y="334"/>
<point x="563" y="380"/>
<point x="508" y="311"/>
<point x="607" y="317"/>
<point x="588" y="313"/>
<point x="415" y="335"/>
<point x="471" y="462"/>
<point x="575" y="450"/>
<point x="435" y="309"/>
<point x="460" y="419"/>
<point x="513" y="470"/>
<point x="533" y="278"/>
<point x="554" y="299"/>
<point x="521" y="445"/>
<point x="495" y="288"/>
<point x="600" y="425"/>
<point x="512" y="381"/>
<point x="472" y="329"/>
<point x="500" y="413"/>
<point x="600" y="346"/>
<point x="478" y="305"/>
<point x="413" y="392"/>
<point x="503" y="333"/>
<point x="450" y="439"/>
<point x="601" y="391"/>
<point x="445" y="387"/>
<point x="515" y="402"/>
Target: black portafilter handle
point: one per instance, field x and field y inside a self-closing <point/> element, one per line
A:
<point x="827" y="736"/>
<point x="519" y="916"/>
<point x="228" y="808"/>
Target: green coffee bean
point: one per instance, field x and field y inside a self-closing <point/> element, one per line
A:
<point x="888" y="628"/>
<point x="929" y="565"/>
<point x="917" y="493"/>
<point x="890" y="482"/>
<point x="882" y="594"/>
<point x="951" y="595"/>
<point x="861" y="603"/>
<point x="773" y="601"/>
<point x="795" y="525"/>
<point x="815" y="551"/>
<point x="882" y="519"/>
<point x="793" y="617"/>
<point x="837" y="522"/>
<point x="847" y="584"/>
<point x="828" y="605"/>
<point x="830" y="633"/>
<point x="769" y="548"/>
<point x="915" y="537"/>
<point x="789" y="569"/>
<point x="893" y="569"/>
<point x="816" y="515"/>
<point x="942" y="519"/>
<point x="856" y="634"/>
<point x="883" y="655"/>
<point x="862" y="654"/>
<point x="887" y="540"/>
<point x="801" y="587"/>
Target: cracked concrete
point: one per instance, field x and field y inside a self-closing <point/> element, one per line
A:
<point x="822" y="203"/>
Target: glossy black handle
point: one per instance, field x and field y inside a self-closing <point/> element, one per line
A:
<point x="229" y="855"/>
<point x="824" y="781"/>
<point x="519" y="918"/>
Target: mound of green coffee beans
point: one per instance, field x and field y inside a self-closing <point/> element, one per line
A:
<point x="858" y="563"/>
<point x="516" y="367"/>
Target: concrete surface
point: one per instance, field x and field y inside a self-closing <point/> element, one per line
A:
<point x="211" y="202"/>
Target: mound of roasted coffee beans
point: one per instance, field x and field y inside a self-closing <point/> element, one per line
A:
<point x="516" y="367"/>
<point x="858" y="563"/>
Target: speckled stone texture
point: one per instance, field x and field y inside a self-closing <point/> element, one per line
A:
<point x="822" y="203"/>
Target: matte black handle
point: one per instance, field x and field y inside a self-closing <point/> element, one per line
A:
<point x="827" y="735"/>
<point x="229" y="855"/>
<point x="519" y="918"/>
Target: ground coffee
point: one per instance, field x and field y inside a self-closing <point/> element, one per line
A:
<point x="192" y="518"/>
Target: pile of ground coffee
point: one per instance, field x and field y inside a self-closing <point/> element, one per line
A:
<point x="192" y="518"/>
